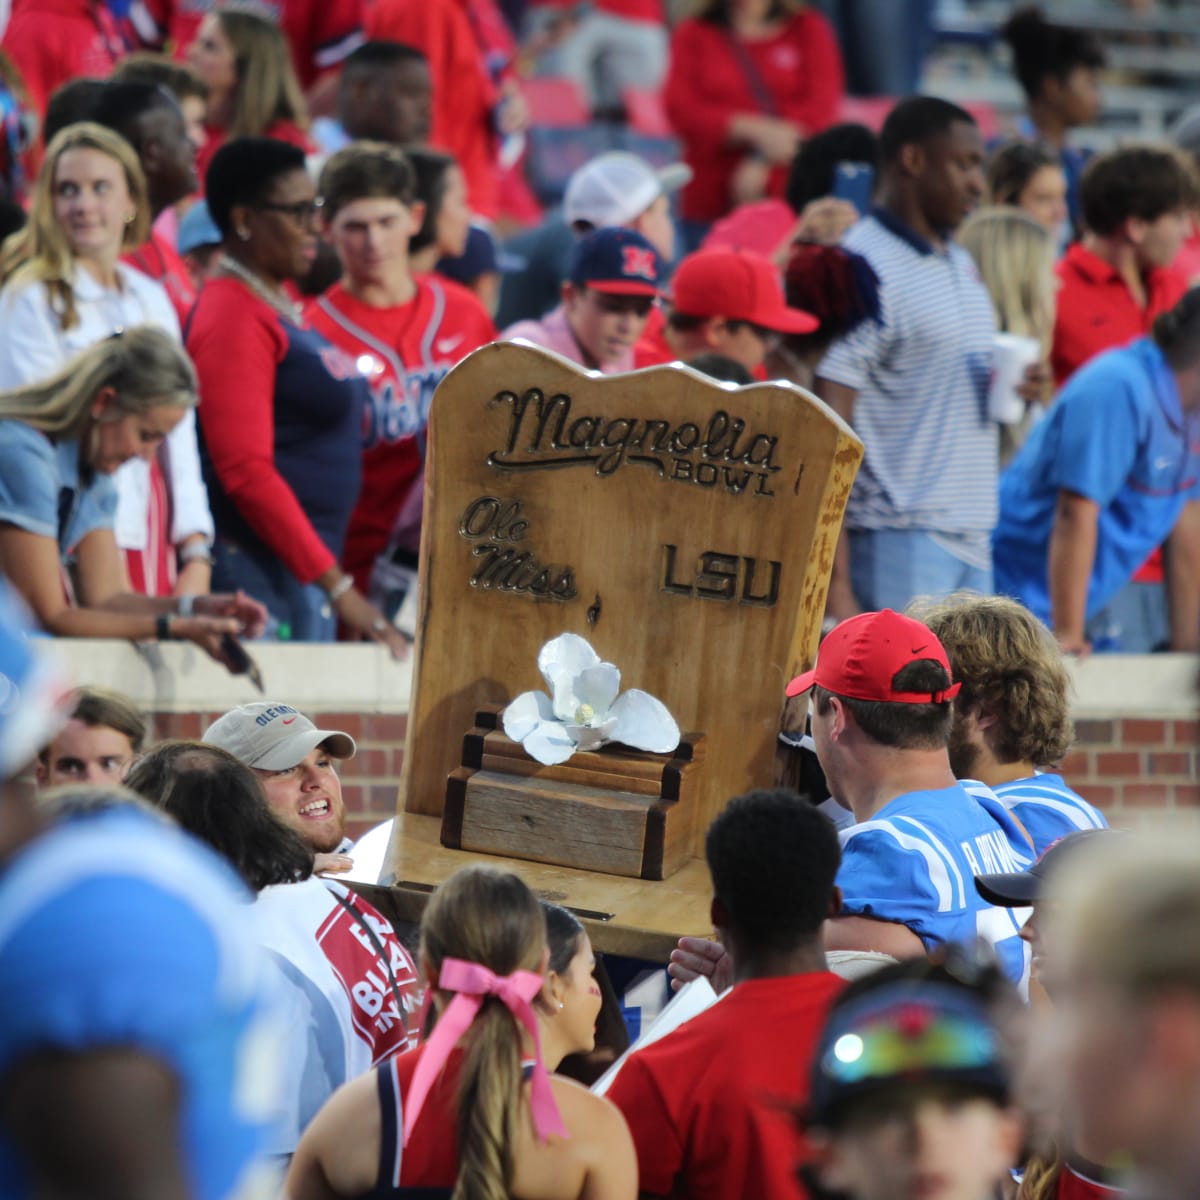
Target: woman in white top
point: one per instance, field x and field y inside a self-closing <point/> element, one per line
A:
<point x="64" y="289"/>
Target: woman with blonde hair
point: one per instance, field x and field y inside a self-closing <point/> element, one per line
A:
<point x="65" y="288"/>
<point x="472" y="1114"/>
<point x="1015" y="256"/>
<point x="252" y="87"/>
<point x="60" y="442"/>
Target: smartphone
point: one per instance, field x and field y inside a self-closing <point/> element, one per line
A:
<point x="240" y="662"/>
<point x="854" y="181"/>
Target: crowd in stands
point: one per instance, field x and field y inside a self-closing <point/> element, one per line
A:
<point x="242" y="245"/>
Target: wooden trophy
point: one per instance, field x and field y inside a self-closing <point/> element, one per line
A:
<point x="685" y="528"/>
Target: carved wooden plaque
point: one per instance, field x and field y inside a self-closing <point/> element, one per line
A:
<point x="684" y="527"/>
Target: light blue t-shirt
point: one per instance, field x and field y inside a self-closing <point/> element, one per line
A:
<point x="914" y="861"/>
<point x="41" y="490"/>
<point x="1117" y="435"/>
<point x="119" y="930"/>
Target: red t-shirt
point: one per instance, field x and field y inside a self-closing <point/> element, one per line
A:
<point x="795" y="75"/>
<point x="160" y="260"/>
<point x="283" y="131"/>
<point x="1097" y="312"/>
<point x="406" y="351"/>
<point x="53" y="41"/>
<point x="652" y="348"/>
<point x="320" y="33"/>
<point x="464" y="95"/>
<point x="706" y="1105"/>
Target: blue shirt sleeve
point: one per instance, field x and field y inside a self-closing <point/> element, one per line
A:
<point x="29" y="481"/>
<point x="879" y="879"/>
<point x="1099" y="436"/>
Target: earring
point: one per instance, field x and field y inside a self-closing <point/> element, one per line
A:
<point x="129" y="220"/>
<point x="561" y="1005"/>
<point x="244" y="234"/>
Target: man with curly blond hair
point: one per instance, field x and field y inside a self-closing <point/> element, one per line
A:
<point x="1012" y="723"/>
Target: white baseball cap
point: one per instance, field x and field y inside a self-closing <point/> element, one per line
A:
<point x="616" y="188"/>
<point x="274" y="737"/>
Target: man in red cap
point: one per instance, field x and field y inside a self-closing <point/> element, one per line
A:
<point x="881" y="718"/>
<point x="727" y="302"/>
<point x="606" y="301"/>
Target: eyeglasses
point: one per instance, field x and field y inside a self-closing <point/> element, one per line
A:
<point x="303" y="210"/>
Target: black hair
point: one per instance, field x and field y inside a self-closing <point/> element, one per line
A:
<point x="812" y="172"/>
<point x="430" y="168"/>
<point x="243" y="172"/>
<point x="377" y="54"/>
<point x="773" y="859"/>
<point x="918" y="120"/>
<point x="1042" y="50"/>
<point x="121" y="107"/>
<point x="1135" y="181"/>
<point x="721" y="366"/>
<point x="563" y="931"/>
<point x="1177" y="332"/>
<point x="75" y="101"/>
<point x="218" y="799"/>
<point x="1012" y="166"/>
<point x="903" y="726"/>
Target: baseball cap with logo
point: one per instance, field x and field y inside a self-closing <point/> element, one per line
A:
<point x="616" y="188"/>
<point x="862" y="656"/>
<point x="618" y="262"/>
<point x="274" y="737"/>
<point x="739" y="286"/>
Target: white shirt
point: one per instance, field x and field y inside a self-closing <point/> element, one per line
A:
<point x="33" y="346"/>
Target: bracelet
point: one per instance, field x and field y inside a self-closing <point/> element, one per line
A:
<point x="340" y="588"/>
<point x="162" y="628"/>
<point x="201" y="551"/>
<point x="185" y="606"/>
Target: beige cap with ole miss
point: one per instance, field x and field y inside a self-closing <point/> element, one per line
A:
<point x="274" y="737"/>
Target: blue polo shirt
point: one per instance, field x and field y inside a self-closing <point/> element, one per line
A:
<point x="1117" y="435"/>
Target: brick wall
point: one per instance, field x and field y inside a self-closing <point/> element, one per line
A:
<point x="369" y="780"/>
<point x="1133" y="766"/>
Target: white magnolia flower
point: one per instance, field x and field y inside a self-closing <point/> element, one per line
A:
<point x="583" y="710"/>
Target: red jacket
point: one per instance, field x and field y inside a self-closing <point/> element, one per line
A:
<point x="709" y="82"/>
<point x="464" y="97"/>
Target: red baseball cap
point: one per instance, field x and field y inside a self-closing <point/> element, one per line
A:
<point x="739" y="286"/>
<point x="862" y="655"/>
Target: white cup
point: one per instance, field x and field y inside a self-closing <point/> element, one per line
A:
<point x="1012" y="353"/>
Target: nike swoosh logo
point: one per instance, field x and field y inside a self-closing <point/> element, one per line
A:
<point x="445" y="345"/>
<point x="288" y="720"/>
<point x="918" y="649"/>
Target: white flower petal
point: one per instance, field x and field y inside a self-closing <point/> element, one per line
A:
<point x="591" y="737"/>
<point x="567" y="653"/>
<point x="644" y="723"/>
<point x="524" y="713"/>
<point x="549" y="743"/>
<point x="597" y="687"/>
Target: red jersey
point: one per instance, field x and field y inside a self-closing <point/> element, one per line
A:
<point x="652" y="347"/>
<point x="464" y="95"/>
<point x="796" y="75"/>
<point x="1079" y="1181"/>
<point x="404" y="352"/>
<point x="320" y="33"/>
<point x="1097" y="311"/>
<point x="53" y="41"/>
<point x="160" y="260"/>
<point x="725" y="1130"/>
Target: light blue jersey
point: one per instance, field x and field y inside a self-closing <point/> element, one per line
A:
<point x="913" y="862"/>
<point x="119" y="930"/>
<point x="1047" y="809"/>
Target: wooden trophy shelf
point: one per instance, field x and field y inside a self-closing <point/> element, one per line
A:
<point x="614" y="810"/>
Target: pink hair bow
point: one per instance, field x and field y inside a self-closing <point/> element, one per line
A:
<point x="473" y="982"/>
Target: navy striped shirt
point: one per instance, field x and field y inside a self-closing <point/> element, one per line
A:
<point x="922" y="376"/>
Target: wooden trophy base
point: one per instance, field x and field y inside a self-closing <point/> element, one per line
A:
<point x="615" y="810"/>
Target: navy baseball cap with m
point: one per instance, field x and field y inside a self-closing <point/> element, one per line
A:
<point x="618" y="262"/>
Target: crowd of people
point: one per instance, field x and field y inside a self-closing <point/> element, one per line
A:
<point x="974" y="989"/>
<point x="327" y="216"/>
<point x="241" y="248"/>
